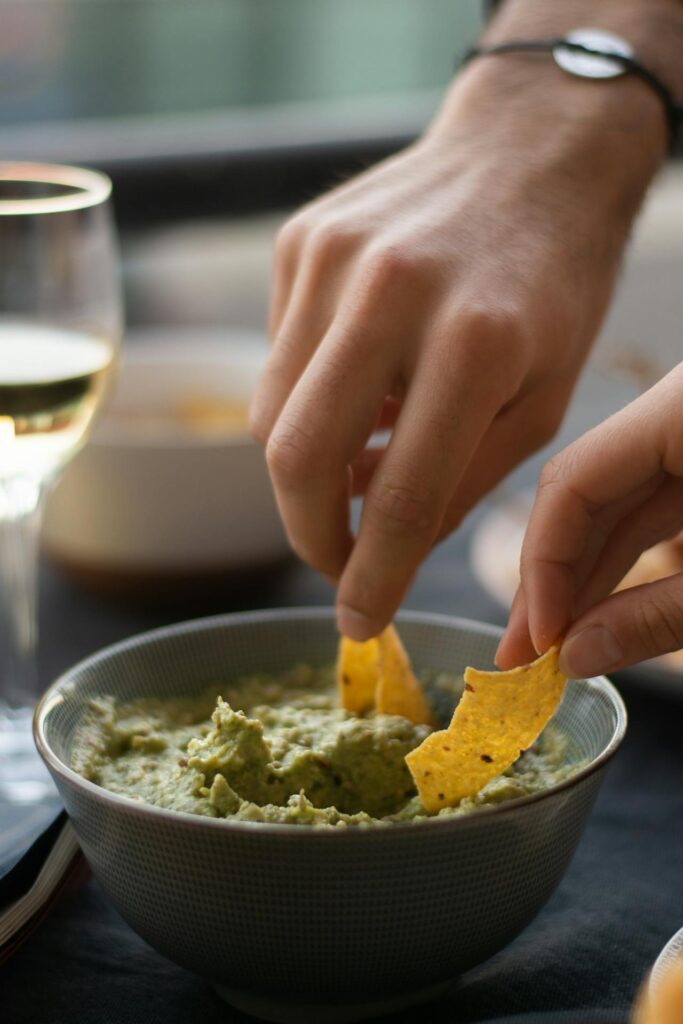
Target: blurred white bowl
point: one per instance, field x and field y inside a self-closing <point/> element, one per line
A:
<point x="150" y="499"/>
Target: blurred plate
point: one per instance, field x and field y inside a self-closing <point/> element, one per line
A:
<point x="494" y="558"/>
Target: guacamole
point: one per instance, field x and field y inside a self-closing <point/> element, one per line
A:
<point x="280" y="749"/>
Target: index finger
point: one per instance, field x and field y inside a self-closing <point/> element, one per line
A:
<point x="448" y="408"/>
<point x="324" y="425"/>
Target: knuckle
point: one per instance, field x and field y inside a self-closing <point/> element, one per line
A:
<point x="290" y="454"/>
<point x="496" y="327"/>
<point x="329" y="238"/>
<point x="390" y="265"/>
<point x="290" y="236"/>
<point x="552" y="472"/>
<point x="563" y="492"/>
<point x="659" y="623"/>
<point x="442" y="426"/>
<point x="286" y="345"/>
<point x="403" y="509"/>
<point x="494" y="344"/>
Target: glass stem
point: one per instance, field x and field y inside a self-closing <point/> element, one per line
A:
<point x="19" y="538"/>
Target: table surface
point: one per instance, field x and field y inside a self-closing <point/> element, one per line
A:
<point x="586" y="952"/>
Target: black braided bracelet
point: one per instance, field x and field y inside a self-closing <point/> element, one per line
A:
<point x="673" y="108"/>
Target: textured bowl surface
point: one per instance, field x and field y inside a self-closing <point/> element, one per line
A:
<point x="290" y="913"/>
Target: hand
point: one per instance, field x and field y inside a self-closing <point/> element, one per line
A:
<point x="451" y="293"/>
<point x="615" y="492"/>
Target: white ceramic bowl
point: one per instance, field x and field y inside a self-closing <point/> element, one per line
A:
<point x="144" y="502"/>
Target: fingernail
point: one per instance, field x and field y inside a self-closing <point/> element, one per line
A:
<point x="540" y="642"/>
<point x="590" y="652"/>
<point x="500" y="647"/>
<point x="354" y="624"/>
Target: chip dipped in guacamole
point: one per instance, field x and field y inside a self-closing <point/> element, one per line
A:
<point x="281" y="749"/>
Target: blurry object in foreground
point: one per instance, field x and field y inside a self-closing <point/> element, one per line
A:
<point x="60" y="327"/>
<point x="494" y="557"/>
<point x="661" y="1000"/>
<point x="30" y="887"/>
<point x="171" y="493"/>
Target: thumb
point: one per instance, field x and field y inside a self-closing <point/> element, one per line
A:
<point x="630" y="626"/>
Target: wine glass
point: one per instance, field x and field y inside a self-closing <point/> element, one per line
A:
<point x="60" y="328"/>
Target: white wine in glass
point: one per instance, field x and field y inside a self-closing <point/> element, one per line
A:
<point x="60" y="328"/>
<point x="51" y="382"/>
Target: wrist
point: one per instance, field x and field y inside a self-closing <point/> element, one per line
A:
<point x="653" y="29"/>
<point x="609" y="135"/>
<point x="605" y="138"/>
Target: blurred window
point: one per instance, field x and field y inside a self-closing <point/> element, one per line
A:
<point x="73" y="59"/>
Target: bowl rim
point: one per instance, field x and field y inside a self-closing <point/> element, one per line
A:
<point x="185" y="819"/>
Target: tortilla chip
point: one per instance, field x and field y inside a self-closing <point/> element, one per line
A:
<point x="398" y="691"/>
<point x="378" y="673"/>
<point x="499" y="716"/>
<point x="357" y="674"/>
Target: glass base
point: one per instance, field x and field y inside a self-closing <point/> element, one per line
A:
<point x="28" y="798"/>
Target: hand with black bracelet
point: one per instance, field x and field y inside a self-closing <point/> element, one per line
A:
<point x="451" y="294"/>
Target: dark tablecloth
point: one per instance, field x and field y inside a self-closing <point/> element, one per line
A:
<point x="586" y="952"/>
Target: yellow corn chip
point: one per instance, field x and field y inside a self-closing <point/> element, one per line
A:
<point x="377" y="672"/>
<point x="499" y="715"/>
<point x="398" y="691"/>
<point x="357" y="674"/>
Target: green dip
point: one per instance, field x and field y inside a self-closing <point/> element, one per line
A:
<point x="280" y="749"/>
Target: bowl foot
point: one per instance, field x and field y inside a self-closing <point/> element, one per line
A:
<point x="283" y="1012"/>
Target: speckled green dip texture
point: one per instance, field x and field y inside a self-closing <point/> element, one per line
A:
<point x="280" y="749"/>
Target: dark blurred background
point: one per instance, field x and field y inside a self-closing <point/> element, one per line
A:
<point x="221" y="105"/>
<point x="217" y="117"/>
<point x="207" y="110"/>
